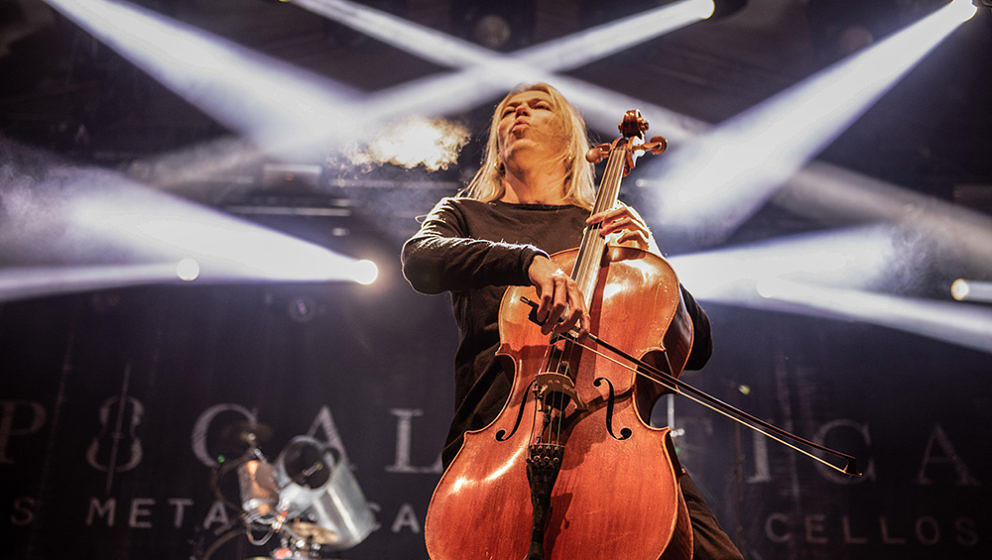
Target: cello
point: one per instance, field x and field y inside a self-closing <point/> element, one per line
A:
<point x="569" y="469"/>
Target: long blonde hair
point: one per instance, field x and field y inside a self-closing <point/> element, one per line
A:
<point x="579" y="188"/>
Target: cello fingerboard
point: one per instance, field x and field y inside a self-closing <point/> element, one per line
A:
<point x="587" y="263"/>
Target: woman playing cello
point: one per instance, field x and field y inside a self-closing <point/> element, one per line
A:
<point x="530" y="199"/>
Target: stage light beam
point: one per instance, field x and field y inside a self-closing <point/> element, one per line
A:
<point x="599" y="104"/>
<point x="17" y="283"/>
<point x="854" y="258"/>
<point x="833" y="195"/>
<point x="411" y="37"/>
<point x="486" y="73"/>
<point x="225" y="248"/>
<point x="960" y="324"/>
<point x="711" y="185"/>
<point x="836" y="274"/>
<point x="612" y="37"/>
<point x="557" y="55"/>
<point x="280" y="107"/>
<point x="102" y="230"/>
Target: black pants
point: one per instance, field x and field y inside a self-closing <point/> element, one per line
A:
<point x="709" y="541"/>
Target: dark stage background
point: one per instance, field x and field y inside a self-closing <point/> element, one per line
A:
<point x="369" y="369"/>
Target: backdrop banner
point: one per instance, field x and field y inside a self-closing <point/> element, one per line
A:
<point x="116" y="409"/>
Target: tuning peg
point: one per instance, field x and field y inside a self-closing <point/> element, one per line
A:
<point x="656" y="145"/>
<point x="598" y="153"/>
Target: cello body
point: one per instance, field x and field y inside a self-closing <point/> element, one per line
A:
<point x="617" y="492"/>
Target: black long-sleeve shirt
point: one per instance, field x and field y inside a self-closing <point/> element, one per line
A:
<point x="476" y="249"/>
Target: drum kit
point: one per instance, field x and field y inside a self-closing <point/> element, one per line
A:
<point x="308" y="498"/>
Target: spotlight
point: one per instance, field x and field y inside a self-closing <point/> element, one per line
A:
<point x="965" y="9"/>
<point x="411" y="142"/>
<point x="188" y="269"/>
<point x="960" y="289"/>
<point x="707" y="8"/>
<point x="365" y="272"/>
<point x="971" y="290"/>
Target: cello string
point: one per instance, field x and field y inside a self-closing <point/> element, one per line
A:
<point x="689" y="396"/>
<point x="556" y="403"/>
<point x="588" y="260"/>
<point x="562" y="398"/>
<point x="581" y="274"/>
<point x="539" y="403"/>
<point x="606" y="199"/>
<point x="544" y="432"/>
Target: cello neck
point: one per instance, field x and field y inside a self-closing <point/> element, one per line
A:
<point x="586" y="269"/>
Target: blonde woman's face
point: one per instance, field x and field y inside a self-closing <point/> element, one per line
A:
<point x="530" y="123"/>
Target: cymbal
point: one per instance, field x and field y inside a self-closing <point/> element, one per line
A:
<point x="318" y="534"/>
<point x="244" y="431"/>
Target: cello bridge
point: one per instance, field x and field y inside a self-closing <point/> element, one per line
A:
<point x="549" y="384"/>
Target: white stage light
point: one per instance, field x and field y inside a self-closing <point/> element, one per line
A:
<point x="106" y="209"/>
<point x="960" y="289"/>
<point x="832" y="274"/>
<point x="365" y="272"/>
<point x="971" y="290"/>
<point x="187" y="269"/>
<point x="964" y="9"/>
<point x="280" y="107"/>
<point x="710" y="186"/>
<point x="960" y="324"/>
<point x="859" y="257"/>
<point x="411" y="142"/>
<point x="80" y="216"/>
<point x="833" y="195"/>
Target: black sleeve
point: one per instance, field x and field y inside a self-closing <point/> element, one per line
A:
<point x="443" y="256"/>
<point x="702" y="342"/>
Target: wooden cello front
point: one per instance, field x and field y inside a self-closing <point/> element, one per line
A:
<point x="613" y="497"/>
